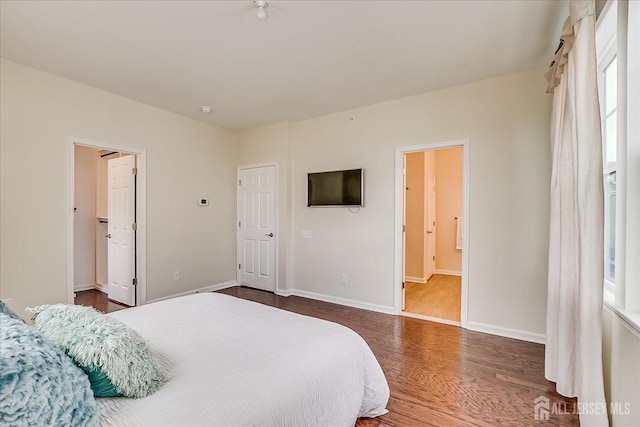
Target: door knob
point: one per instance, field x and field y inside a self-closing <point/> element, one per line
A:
<point x="108" y="236"/>
<point x="270" y="234"/>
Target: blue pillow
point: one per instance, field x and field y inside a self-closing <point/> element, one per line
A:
<point x="39" y="384"/>
<point x="6" y="310"/>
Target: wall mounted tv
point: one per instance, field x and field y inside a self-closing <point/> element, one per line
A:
<point x="336" y="188"/>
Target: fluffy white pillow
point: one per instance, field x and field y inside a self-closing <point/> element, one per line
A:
<point x="103" y="347"/>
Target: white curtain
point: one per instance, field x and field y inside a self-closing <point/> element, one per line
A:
<point x="573" y="353"/>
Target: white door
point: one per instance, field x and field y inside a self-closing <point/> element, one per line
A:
<point x="430" y="215"/>
<point x="404" y="226"/>
<point x="121" y="230"/>
<point x="256" y="228"/>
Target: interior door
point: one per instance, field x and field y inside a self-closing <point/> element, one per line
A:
<point x="256" y="228"/>
<point x="404" y="226"/>
<point x="121" y="230"/>
<point x="430" y="215"/>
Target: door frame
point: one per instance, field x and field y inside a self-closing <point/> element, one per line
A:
<point x="399" y="212"/>
<point x="276" y="230"/>
<point x="141" y="212"/>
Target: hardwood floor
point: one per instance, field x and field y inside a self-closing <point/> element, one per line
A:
<point x="439" y="297"/>
<point x="98" y="300"/>
<point x="441" y="375"/>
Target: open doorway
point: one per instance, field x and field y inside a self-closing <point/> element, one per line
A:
<point x="433" y="218"/>
<point x="106" y="225"/>
<point x="431" y="202"/>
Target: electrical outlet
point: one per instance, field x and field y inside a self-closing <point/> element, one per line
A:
<point x="306" y="234"/>
<point x="176" y="275"/>
<point x="344" y="279"/>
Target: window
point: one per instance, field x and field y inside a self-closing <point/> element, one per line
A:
<point x="608" y="88"/>
<point x="609" y="108"/>
<point x="618" y="83"/>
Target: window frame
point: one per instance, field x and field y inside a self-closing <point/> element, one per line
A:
<point x="622" y="298"/>
<point x="606" y="35"/>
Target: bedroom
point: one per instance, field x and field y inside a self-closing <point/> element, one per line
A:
<point x="509" y="197"/>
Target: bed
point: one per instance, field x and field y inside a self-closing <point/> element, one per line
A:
<point x="234" y="362"/>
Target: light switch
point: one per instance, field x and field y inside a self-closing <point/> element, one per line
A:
<point x="306" y="234"/>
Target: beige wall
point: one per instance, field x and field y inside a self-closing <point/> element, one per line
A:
<point x="449" y="164"/>
<point x="186" y="159"/>
<point x="414" y="219"/>
<point x="505" y="118"/>
<point x="620" y="356"/>
<point x="271" y="144"/>
<point x="507" y="122"/>
<point x="84" y="247"/>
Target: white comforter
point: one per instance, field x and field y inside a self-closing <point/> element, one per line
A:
<point x="234" y="362"/>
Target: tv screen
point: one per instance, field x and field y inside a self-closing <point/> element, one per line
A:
<point x="337" y="188"/>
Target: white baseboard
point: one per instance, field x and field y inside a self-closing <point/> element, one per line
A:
<point x="343" y="301"/>
<point x="507" y="332"/>
<point x="211" y="288"/>
<point x="87" y="287"/>
<point x="102" y="288"/>
<point x="449" y="272"/>
<point x="473" y="326"/>
<point x="424" y="280"/>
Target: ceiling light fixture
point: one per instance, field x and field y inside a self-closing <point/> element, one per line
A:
<point x="206" y="109"/>
<point x="261" y="5"/>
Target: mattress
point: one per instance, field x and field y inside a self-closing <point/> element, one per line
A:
<point x="232" y="362"/>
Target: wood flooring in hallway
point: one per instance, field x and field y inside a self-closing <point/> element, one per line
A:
<point x="439" y="297"/>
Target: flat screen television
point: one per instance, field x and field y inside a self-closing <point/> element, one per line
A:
<point x="336" y="188"/>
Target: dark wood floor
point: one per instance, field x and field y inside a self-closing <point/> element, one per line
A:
<point x="98" y="300"/>
<point x="440" y="375"/>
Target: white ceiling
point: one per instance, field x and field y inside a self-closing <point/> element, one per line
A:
<point x="308" y="58"/>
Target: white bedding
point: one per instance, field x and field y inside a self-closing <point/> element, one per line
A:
<point x="235" y="362"/>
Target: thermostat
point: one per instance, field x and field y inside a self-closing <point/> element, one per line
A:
<point x="203" y="201"/>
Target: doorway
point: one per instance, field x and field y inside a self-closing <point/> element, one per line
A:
<point x="106" y="223"/>
<point x="431" y="255"/>
<point x="257" y="227"/>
